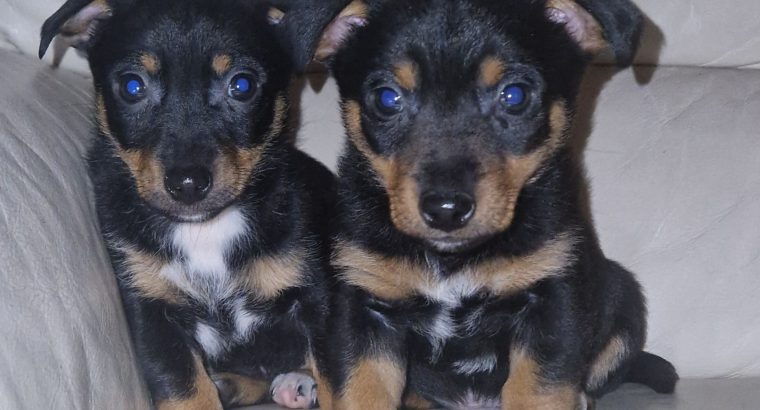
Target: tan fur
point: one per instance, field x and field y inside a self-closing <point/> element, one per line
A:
<point x="373" y="384"/>
<point x="386" y="277"/>
<point x="325" y="392"/>
<point x="607" y="361"/>
<point x="150" y="63"/>
<point x="504" y="178"/>
<point x="395" y="278"/>
<point x="491" y="71"/>
<point x="247" y="391"/>
<point x="101" y="116"/>
<point x="383" y="167"/>
<point x="144" y="275"/>
<point x="268" y="276"/>
<point x="405" y="75"/>
<point x="279" y="117"/>
<point x="592" y="39"/>
<point x="275" y="15"/>
<point x="413" y="401"/>
<point x="403" y="192"/>
<point x="145" y="169"/>
<point x="504" y="276"/>
<point x="221" y="64"/>
<point x="143" y="166"/>
<point x="524" y="389"/>
<point x="234" y="167"/>
<point x="204" y="395"/>
<point x="391" y="173"/>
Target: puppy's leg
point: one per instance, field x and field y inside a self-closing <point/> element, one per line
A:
<point x="295" y="390"/>
<point x="414" y="401"/>
<point x="374" y="383"/>
<point x="525" y="388"/>
<point x="175" y="374"/>
<point x="237" y="390"/>
<point x="545" y="357"/>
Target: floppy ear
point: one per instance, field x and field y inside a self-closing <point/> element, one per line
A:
<point x="73" y="25"/>
<point x="339" y="30"/>
<point x="598" y="24"/>
<point x="300" y="23"/>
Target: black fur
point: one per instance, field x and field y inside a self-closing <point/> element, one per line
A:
<point x="447" y="129"/>
<point x="187" y="119"/>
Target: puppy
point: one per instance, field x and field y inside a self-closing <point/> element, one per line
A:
<point x="470" y="276"/>
<point x="214" y="221"/>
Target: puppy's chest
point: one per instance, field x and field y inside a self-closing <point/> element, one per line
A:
<point x="460" y="326"/>
<point x="222" y="308"/>
<point x="201" y="268"/>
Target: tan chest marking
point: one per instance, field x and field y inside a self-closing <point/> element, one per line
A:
<point x="264" y="278"/>
<point x="398" y="278"/>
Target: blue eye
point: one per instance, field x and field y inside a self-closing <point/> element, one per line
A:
<point x="514" y="97"/>
<point x="241" y="87"/>
<point x="132" y="88"/>
<point x="388" y="100"/>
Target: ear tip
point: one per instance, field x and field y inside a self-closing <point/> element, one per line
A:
<point x="44" y="44"/>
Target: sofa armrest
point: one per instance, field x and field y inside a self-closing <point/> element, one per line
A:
<point x="64" y="342"/>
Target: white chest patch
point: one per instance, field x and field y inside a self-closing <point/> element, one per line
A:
<point x="245" y="320"/>
<point x="201" y="269"/>
<point x="481" y="364"/>
<point x="210" y="340"/>
<point x="452" y="290"/>
<point x="204" y="245"/>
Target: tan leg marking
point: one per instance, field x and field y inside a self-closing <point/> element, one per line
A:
<point x="606" y="362"/>
<point x="242" y="390"/>
<point x="373" y="384"/>
<point x="413" y="401"/>
<point x="524" y="389"/>
<point x="204" y="395"/>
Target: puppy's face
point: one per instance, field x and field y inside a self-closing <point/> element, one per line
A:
<point x="457" y="105"/>
<point x="190" y="94"/>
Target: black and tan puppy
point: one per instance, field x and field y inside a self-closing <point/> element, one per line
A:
<point x="470" y="276"/>
<point x="213" y="220"/>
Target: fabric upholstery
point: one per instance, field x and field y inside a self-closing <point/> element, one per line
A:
<point x="63" y="338"/>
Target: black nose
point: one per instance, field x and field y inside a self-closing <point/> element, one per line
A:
<point x="447" y="212"/>
<point x="188" y="185"/>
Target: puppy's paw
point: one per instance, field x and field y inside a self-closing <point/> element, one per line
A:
<point x="294" y="391"/>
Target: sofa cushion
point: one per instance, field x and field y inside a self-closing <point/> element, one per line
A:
<point x="64" y="343"/>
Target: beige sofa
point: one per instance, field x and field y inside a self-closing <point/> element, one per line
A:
<point x="673" y="155"/>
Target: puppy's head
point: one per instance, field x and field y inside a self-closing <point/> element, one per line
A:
<point x="190" y="93"/>
<point x="458" y="105"/>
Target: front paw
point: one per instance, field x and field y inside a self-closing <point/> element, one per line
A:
<point x="294" y="391"/>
